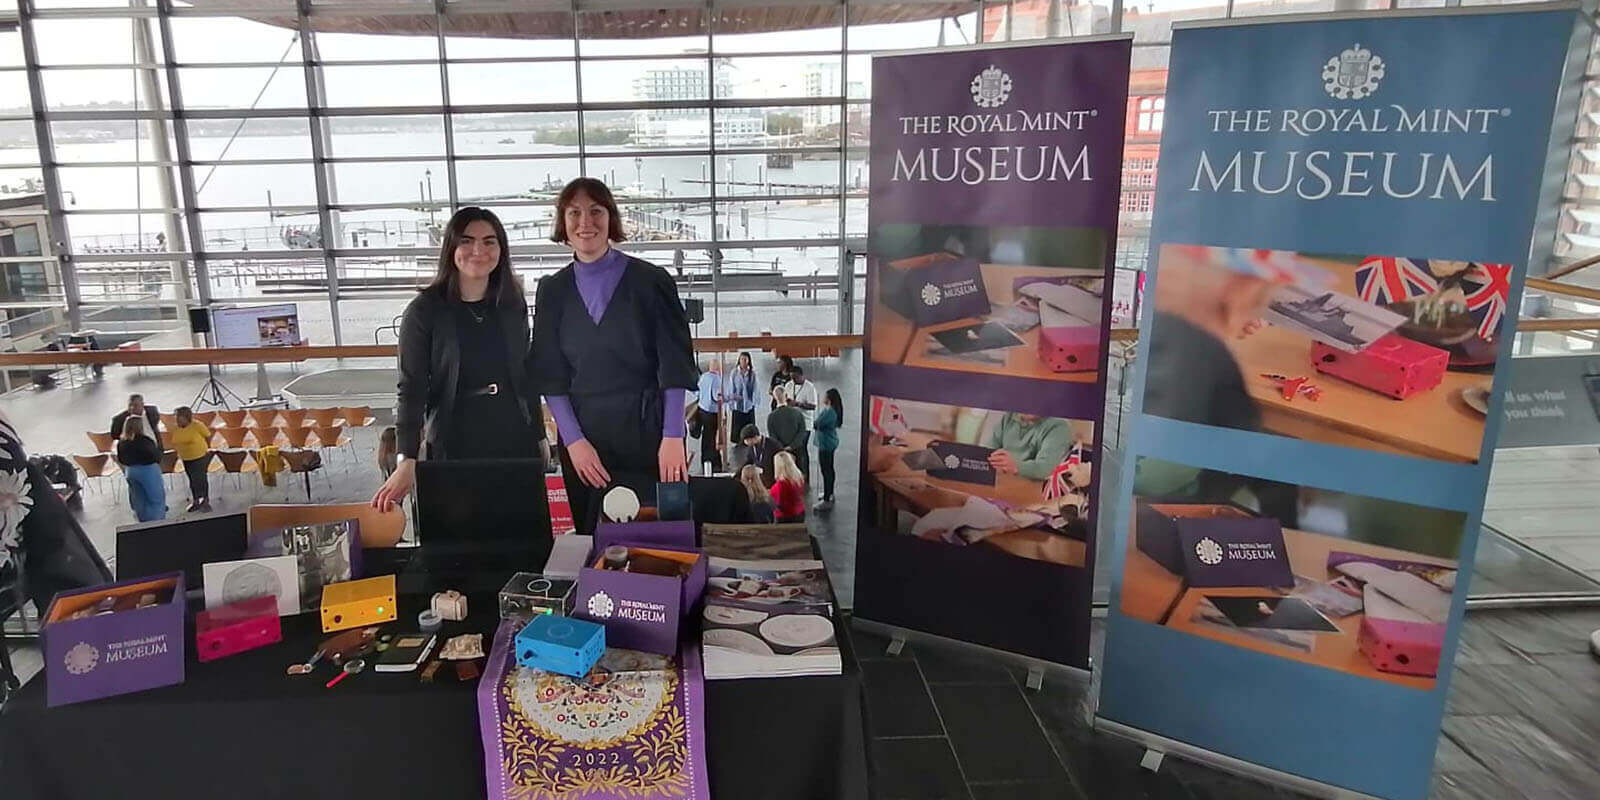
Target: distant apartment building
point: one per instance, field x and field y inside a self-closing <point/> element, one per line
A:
<point x="688" y="127"/>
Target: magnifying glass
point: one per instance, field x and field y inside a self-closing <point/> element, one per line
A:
<point x="350" y="668"/>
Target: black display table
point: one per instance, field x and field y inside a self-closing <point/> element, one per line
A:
<point x="240" y="728"/>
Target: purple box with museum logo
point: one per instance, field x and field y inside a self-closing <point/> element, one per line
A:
<point x="114" y="639"/>
<point x="643" y="610"/>
<point x="935" y="288"/>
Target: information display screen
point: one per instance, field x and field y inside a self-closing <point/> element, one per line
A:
<point x="257" y="326"/>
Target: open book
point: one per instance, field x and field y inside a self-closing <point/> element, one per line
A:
<point x="767" y="619"/>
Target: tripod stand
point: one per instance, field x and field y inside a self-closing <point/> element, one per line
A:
<point x="214" y="392"/>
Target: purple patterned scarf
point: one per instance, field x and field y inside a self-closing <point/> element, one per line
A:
<point x="634" y="729"/>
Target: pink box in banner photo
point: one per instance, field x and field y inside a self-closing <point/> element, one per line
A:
<point x="1393" y="365"/>
<point x="644" y="595"/>
<point x="114" y="639"/>
<point x="1074" y="348"/>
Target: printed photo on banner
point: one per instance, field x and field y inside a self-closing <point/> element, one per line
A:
<point x="982" y="478"/>
<point x="1336" y="580"/>
<point x="1019" y="301"/>
<point x="1374" y="351"/>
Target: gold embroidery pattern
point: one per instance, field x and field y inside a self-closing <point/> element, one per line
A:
<point x="544" y="766"/>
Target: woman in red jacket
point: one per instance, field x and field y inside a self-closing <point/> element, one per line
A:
<point x="789" y="490"/>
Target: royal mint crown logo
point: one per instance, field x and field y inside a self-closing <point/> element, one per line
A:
<point x="1208" y="551"/>
<point x="991" y="88"/>
<point x="600" y="605"/>
<point x="952" y="461"/>
<point x="931" y="295"/>
<point x="81" y="659"/>
<point x="1353" y="74"/>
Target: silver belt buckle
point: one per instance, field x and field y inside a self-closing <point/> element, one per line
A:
<point x="494" y="389"/>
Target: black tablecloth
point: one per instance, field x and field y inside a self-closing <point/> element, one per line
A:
<point x="240" y="728"/>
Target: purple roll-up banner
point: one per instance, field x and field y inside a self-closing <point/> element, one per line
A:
<point x="634" y="729"/>
<point x="993" y="168"/>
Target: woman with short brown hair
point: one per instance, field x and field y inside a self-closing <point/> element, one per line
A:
<point x="612" y="356"/>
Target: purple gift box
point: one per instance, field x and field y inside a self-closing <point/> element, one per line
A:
<point x="129" y="650"/>
<point x="935" y="288"/>
<point x="642" y="611"/>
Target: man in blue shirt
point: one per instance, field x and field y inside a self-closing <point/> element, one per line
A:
<point x="710" y="407"/>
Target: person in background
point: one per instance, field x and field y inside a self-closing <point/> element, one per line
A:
<point x="465" y="390"/>
<point x="140" y="458"/>
<point x="802" y="394"/>
<point x="761" y="512"/>
<point x="1029" y="445"/>
<point x="789" y="490"/>
<point x="709" y="414"/>
<point x="612" y="355"/>
<point x="137" y="407"/>
<point x="192" y="440"/>
<point x="387" y="451"/>
<point x="787" y="424"/>
<point x="829" y="418"/>
<point x="780" y="378"/>
<point x="741" y="393"/>
<point x="756" y="451"/>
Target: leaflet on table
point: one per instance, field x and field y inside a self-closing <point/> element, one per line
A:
<point x="782" y="641"/>
<point x="761" y="585"/>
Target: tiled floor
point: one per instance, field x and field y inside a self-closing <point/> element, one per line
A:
<point x="1523" y="723"/>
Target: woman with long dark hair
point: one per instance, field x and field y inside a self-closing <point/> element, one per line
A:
<point x="829" y="419"/>
<point x="464" y="390"/>
<point x="612" y="356"/>
<point x="741" y="393"/>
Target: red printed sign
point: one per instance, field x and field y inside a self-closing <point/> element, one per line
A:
<point x="560" y="510"/>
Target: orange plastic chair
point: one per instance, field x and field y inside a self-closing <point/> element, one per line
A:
<point x="99" y="465"/>
<point x="266" y="435"/>
<point x="233" y="462"/>
<point x="300" y="461"/>
<point x="169" y="462"/>
<point x="293" y="418"/>
<point x="357" y="416"/>
<point x="103" y="442"/>
<point x="231" y="419"/>
<point x="297" y="436"/>
<point x="322" y="416"/>
<point x="169" y="421"/>
<point x="264" y="417"/>
<point x="206" y="418"/>
<point x="233" y="437"/>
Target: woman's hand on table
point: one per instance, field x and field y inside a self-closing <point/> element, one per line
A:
<point x="1002" y="461"/>
<point x="671" y="461"/>
<point x="587" y="463"/>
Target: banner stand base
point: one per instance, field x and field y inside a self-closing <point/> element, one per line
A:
<point x="1037" y="668"/>
<point x="1157" y="747"/>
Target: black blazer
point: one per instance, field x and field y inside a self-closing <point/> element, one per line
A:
<point x="150" y="414"/>
<point x="430" y="364"/>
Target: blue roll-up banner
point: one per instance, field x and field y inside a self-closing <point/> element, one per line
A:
<point x="1347" y="207"/>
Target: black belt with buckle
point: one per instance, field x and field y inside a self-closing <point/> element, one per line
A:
<point x="485" y="391"/>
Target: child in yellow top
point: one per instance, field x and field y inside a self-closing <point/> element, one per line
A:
<point x="192" y="440"/>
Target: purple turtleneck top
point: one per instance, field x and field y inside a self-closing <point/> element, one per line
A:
<point x="597" y="282"/>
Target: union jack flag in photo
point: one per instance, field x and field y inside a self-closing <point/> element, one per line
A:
<point x="1058" y="486"/>
<point x="1387" y="279"/>
<point x="1488" y="293"/>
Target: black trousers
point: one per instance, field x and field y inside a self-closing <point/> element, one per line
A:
<point x="708" y="439"/>
<point x="741" y="419"/>
<point x="625" y="430"/>
<point x="825" y="458"/>
<point x="199" y="488"/>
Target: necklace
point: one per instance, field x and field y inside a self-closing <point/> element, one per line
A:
<point x="477" y="316"/>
